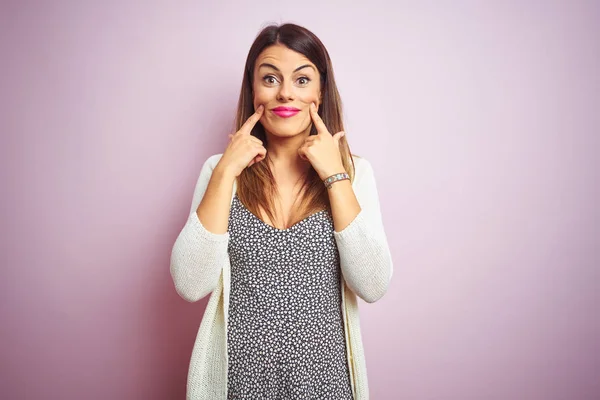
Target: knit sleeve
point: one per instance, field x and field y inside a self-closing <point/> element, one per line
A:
<point x="198" y="255"/>
<point x="365" y="256"/>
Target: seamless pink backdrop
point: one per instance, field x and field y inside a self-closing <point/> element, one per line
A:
<point x="481" y="122"/>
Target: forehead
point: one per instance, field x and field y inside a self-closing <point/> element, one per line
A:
<point x="282" y="57"/>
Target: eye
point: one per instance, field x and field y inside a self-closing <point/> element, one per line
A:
<point x="270" y="80"/>
<point x="303" y="80"/>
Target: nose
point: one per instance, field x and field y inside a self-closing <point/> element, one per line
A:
<point x="286" y="91"/>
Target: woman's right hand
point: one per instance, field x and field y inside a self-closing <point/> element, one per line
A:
<point x="243" y="149"/>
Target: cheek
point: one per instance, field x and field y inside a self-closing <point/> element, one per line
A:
<point x="264" y="97"/>
<point x="310" y="96"/>
<point x="261" y="96"/>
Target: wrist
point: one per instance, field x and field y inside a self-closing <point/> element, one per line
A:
<point x="224" y="174"/>
<point x="333" y="171"/>
<point x="330" y="180"/>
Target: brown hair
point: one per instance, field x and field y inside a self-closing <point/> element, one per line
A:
<point x="256" y="185"/>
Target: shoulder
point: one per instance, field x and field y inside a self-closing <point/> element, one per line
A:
<point x="207" y="169"/>
<point x="212" y="161"/>
<point x="362" y="169"/>
<point x="360" y="162"/>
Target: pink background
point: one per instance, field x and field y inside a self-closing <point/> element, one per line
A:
<point x="480" y="119"/>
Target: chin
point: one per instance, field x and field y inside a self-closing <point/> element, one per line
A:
<point x="285" y="131"/>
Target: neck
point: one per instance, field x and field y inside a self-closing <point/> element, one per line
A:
<point x="283" y="152"/>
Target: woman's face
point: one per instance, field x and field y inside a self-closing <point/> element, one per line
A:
<point x="286" y="83"/>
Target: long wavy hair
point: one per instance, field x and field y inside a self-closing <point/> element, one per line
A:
<point x="256" y="187"/>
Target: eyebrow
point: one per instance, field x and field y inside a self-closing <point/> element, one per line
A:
<point x="277" y="69"/>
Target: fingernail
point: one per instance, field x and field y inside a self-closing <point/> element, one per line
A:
<point x="260" y="108"/>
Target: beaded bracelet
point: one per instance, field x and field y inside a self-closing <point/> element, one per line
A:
<point x="334" y="178"/>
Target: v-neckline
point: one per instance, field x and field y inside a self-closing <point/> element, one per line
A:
<point x="301" y="222"/>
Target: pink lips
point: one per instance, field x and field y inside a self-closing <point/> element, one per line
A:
<point x="285" y="112"/>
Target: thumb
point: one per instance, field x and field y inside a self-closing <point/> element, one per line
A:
<point x="338" y="136"/>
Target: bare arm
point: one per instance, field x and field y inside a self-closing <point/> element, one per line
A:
<point x="242" y="151"/>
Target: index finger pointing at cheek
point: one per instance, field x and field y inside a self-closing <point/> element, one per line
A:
<point x="319" y="124"/>
<point x="250" y="122"/>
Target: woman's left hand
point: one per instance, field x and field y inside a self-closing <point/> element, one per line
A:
<point x="322" y="150"/>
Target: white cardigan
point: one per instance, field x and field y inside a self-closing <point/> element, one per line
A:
<point x="200" y="265"/>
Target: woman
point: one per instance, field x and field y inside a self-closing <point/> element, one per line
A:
<point x="285" y="231"/>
